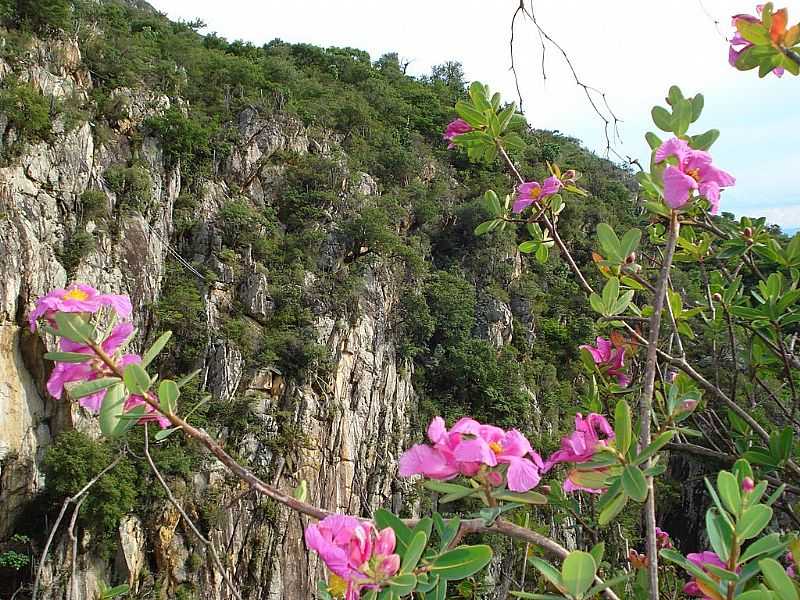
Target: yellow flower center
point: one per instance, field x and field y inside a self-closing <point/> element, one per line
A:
<point x="694" y="174"/>
<point x="496" y="447"/>
<point x="76" y="294"/>
<point x="337" y="587"/>
<point x="536" y="192"/>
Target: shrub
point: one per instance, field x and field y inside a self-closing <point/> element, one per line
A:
<point x="71" y="462"/>
<point x="26" y="109"/>
<point x="75" y="248"/>
<point x="94" y="205"/>
<point x="133" y="186"/>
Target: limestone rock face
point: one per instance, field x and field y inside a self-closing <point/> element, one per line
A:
<point x="346" y="427"/>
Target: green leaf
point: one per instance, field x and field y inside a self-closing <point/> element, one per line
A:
<point x="136" y="379"/>
<point x="778" y="580"/>
<point x="414" y="552"/>
<point x="622" y="426"/>
<point x="753" y="521"/>
<point x="697" y="106"/>
<point x="484" y="227"/>
<point x="111" y="410"/>
<point x="634" y="483"/>
<point x="549" y="571"/>
<point x="611" y="292"/>
<point x="720" y="534"/>
<point x="73" y="327"/>
<point x="661" y="441"/>
<point x="163" y="434"/>
<point x="542" y="254"/>
<point x="767" y="544"/>
<point x="461" y="562"/>
<point x="90" y="387"/>
<point x="184" y="380"/>
<point x="597" y="552"/>
<point x="681" y="117"/>
<point x="470" y="115"/>
<point x="704" y="141"/>
<point x="729" y="492"/>
<point x="157" y="347"/>
<point x="630" y="241"/>
<point x="753" y="32"/>
<point x="402" y="585"/>
<point x="68" y="357"/>
<point x="612" y="509"/>
<point x="168" y="393"/>
<point x="662" y="118"/>
<point x="578" y="572"/>
<point x="652" y="140"/>
<point x="523" y="497"/>
<point x="609" y="242"/>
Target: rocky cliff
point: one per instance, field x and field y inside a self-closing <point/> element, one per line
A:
<point x="291" y="214"/>
<point x="354" y="420"/>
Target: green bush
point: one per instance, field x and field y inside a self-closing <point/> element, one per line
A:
<point x="93" y="205"/>
<point x="181" y="310"/>
<point x="71" y="462"/>
<point x="27" y="110"/>
<point x="133" y="186"/>
<point x="74" y="249"/>
<point x="42" y="15"/>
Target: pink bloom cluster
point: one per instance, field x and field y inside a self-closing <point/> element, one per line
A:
<point x="609" y="359"/>
<point x="701" y="559"/>
<point x="455" y="128"/>
<point x="662" y="539"/>
<point x="739" y="44"/>
<point x="534" y="192"/>
<point x="81" y="298"/>
<point x="591" y="434"/>
<point x="470" y="448"/>
<point x="354" y="551"/>
<point x="693" y="173"/>
<point x="77" y="298"/>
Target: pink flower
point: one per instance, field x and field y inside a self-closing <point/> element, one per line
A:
<point x="609" y="359"/>
<point x="78" y="298"/>
<point x="694" y="172"/>
<point x="150" y="413"/>
<point x="580" y="446"/>
<point x="454" y="128"/>
<point x="470" y="447"/>
<point x="739" y="44"/>
<point x="662" y="539"/>
<point x="354" y="551"/>
<point x="701" y="559"/>
<point x="790" y="570"/>
<point x="748" y="485"/>
<point x="91" y="369"/>
<point x="532" y="192"/>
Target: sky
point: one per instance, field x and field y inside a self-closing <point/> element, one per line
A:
<point x="632" y="50"/>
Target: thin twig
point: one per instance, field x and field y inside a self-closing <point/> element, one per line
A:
<point x="645" y="408"/>
<point x="64" y="506"/>
<point x="206" y="542"/>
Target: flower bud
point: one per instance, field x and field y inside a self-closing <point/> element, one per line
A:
<point x="748" y="485"/>
<point x="638" y="561"/>
<point x="716" y="297"/>
<point x="747" y="233"/>
<point x="494" y="478"/>
<point x="631" y="258"/>
<point x="687" y="406"/>
<point x="569" y="176"/>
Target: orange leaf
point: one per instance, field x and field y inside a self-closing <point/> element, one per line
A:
<point x="709" y="592"/>
<point x="778" y="28"/>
